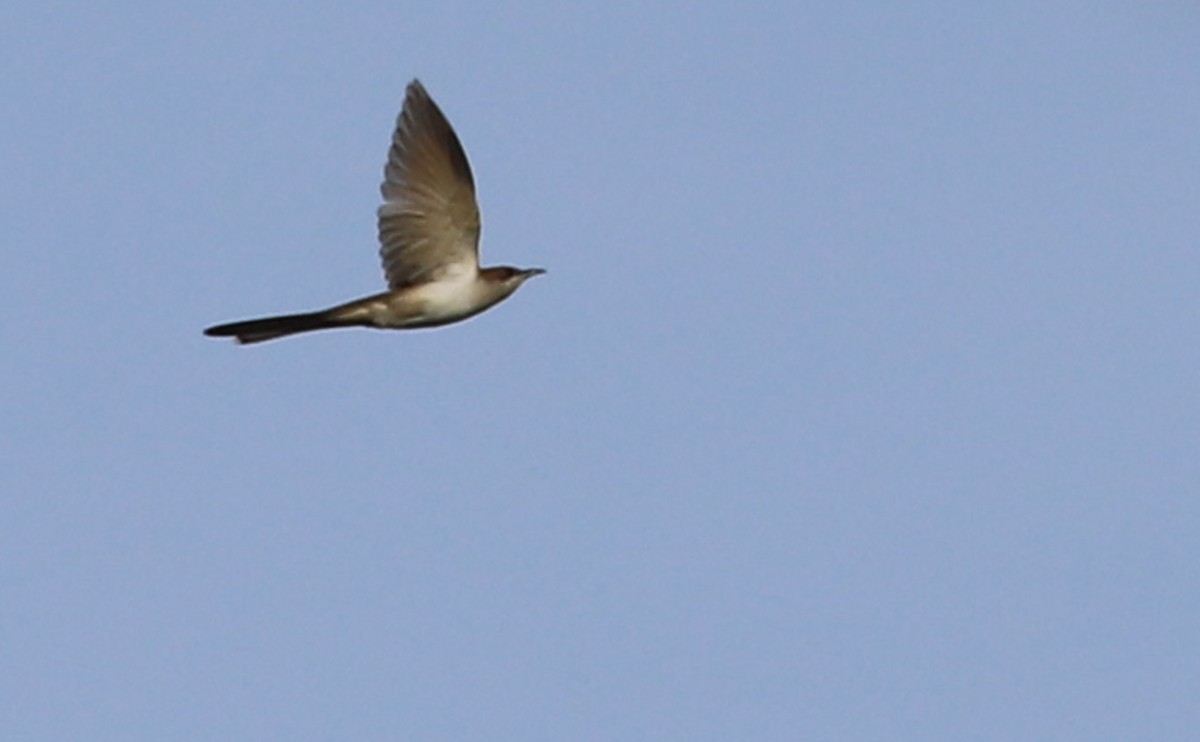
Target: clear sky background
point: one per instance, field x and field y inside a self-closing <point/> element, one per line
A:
<point x="860" y="400"/>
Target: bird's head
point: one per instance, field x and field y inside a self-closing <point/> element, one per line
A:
<point x="509" y="276"/>
<point x="504" y="280"/>
<point x="520" y="274"/>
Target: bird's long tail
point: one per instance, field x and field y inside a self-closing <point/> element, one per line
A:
<point x="269" y="328"/>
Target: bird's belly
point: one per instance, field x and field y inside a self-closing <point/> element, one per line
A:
<point x="432" y="304"/>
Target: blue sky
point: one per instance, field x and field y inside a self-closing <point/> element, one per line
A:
<point x="859" y="401"/>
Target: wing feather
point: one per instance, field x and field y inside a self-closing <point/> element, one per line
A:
<point x="429" y="221"/>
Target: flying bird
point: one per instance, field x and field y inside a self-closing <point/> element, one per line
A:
<point x="429" y="241"/>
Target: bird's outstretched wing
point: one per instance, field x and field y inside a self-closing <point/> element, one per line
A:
<point x="429" y="220"/>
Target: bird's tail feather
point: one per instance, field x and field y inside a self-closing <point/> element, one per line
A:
<point x="269" y="328"/>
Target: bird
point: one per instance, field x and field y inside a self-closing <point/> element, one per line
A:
<point x="429" y="229"/>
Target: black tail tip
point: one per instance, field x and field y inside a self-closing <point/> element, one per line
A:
<point x="220" y="331"/>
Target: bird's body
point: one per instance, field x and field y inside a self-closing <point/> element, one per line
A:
<point x="429" y="233"/>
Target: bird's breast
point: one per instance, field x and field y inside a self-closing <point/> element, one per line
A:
<point x="452" y="297"/>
